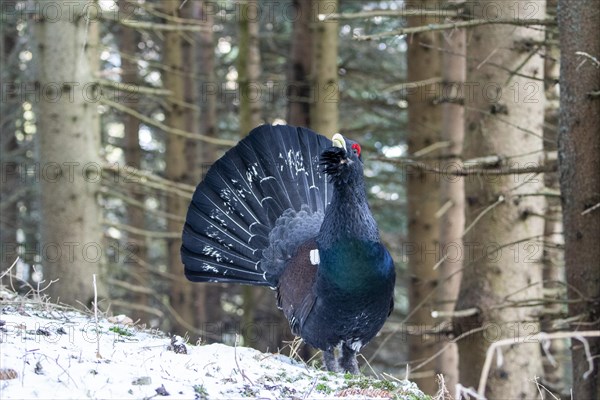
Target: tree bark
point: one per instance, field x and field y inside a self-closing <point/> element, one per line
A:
<point x="503" y="247"/>
<point x="452" y="222"/>
<point x="9" y="180"/>
<point x="192" y="69"/>
<point x="133" y="157"/>
<point x="324" y="116"/>
<point x="208" y="99"/>
<point x="181" y="295"/>
<point x="299" y="72"/>
<point x="190" y="58"/>
<point x="423" y="192"/>
<point x="579" y="157"/>
<point x="208" y="297"/>
<point x="248" y="65"/>
<point x="555" y="373"/>
<point x="68" y="143"/>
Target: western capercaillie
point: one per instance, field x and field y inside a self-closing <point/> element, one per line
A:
<point x="287" y="208"/>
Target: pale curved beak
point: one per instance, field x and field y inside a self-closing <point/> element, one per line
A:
<point x="339" y="141"/>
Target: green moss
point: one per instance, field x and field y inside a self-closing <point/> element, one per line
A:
<point x="364" y="382"/>
<point x="282" y="374"/>
<point x="413" y="396"/>
<point x="201" y="392"/>
<point x="200" y="389"/>
<point x="250" y="391"/>
<point x="403" y="393"/>
<point x="120" y="331"/>
<point x="323" y="388"/>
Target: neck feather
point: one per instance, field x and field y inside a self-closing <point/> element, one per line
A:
<point x="348" y="215"/>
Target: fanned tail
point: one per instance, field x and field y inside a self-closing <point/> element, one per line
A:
<point x="233" y="211"/>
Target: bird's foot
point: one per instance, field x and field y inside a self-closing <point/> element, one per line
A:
<point x="331" y="363"/>
<point x="348" y="362"/>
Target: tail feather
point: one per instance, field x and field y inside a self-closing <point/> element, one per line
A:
<point x="236" y="207"/>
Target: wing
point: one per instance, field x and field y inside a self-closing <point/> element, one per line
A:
<point x="295" y="292"/>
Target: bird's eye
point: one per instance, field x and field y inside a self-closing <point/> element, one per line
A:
<point x="356" y="148"/>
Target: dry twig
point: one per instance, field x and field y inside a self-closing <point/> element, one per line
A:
<point x="528" y="339"/>
<point x="96" y="316"/>
<point x="244" y="376"/>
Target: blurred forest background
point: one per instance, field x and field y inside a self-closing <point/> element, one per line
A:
<point x="113" y="110"/>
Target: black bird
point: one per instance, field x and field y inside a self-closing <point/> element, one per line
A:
<point x="287" y="208"/>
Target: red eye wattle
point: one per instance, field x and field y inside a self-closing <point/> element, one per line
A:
<point x="356" y="147"/>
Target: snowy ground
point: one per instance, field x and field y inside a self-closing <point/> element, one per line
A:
<point x="51" y="353"/>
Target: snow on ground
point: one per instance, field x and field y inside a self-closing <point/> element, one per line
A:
<point x="48" y="352"/>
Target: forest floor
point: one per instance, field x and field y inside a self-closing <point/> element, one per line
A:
<point x="52" y="352"/>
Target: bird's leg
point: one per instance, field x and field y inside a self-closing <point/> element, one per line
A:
<point x="329" y="359"/>
<point x="348" y="361"/>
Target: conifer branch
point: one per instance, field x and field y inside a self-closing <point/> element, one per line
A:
<point x="143" y="232"/>
<point x="469" y="171"/>
<point x="133" y="88"/>
<point x="141" y="205"/>
<point x="153" y="26"/>
<point x="166" y="128"/>
<point x="129" y="174"/>
<point x="457" y="25"/>
<point x="390" y="13"/>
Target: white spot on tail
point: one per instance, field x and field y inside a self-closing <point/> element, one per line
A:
<point x="314" y="257"/>
<point x="209" y="268"/>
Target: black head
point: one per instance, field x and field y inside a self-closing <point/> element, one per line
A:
<point x="343" y="161"/>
